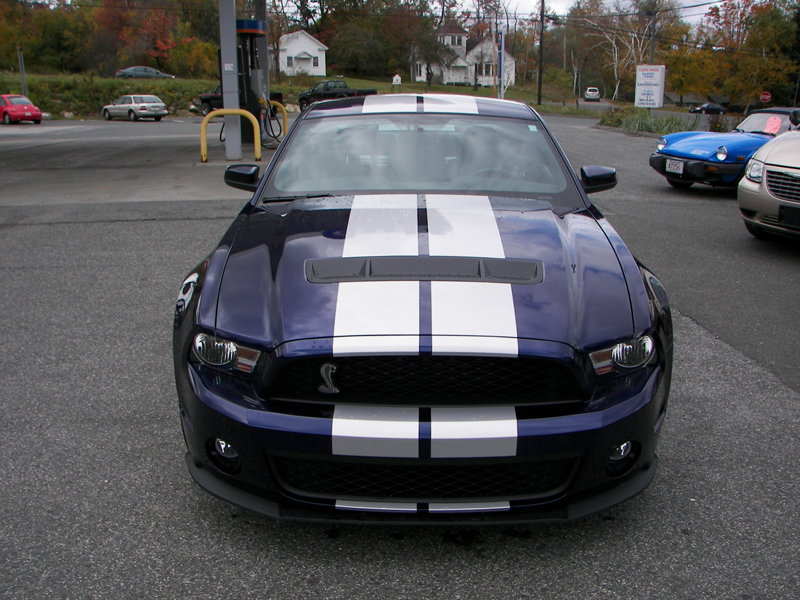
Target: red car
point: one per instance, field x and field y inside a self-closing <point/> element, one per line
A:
<point x="15" y="108"/>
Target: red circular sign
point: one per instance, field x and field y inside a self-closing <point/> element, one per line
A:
<point x="766" y="96"/>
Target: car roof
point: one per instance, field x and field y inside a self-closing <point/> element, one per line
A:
<point x="430" y="103"/>
<point x="775" y="109"/>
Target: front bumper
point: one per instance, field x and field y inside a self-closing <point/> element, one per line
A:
<point x="211" y="408"/>
<point x="699" y="171"/>
<point x="761" y="209"/>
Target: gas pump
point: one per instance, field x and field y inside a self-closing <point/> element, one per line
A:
<point x="253" y="82"/>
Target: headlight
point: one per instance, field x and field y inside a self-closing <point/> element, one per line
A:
<point x="755" y="170"/>
<point x="722" y="153"/>
<point x="625" y="355"/>
<point x="224" y="354"/>
<point x="661" y="144"/>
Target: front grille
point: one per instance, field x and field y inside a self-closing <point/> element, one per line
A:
<point x="430" y="380"/>
<point x="783" y="186"/>
<point x="423" y="481"/>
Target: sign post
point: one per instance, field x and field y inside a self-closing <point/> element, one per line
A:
<point x="650" y="85"/>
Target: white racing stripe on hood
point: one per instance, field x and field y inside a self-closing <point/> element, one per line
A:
<point x="379" y="317"/>
<point x="466" y="317"/>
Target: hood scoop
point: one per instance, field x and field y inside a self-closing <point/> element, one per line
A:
<point x="424" y="268"/>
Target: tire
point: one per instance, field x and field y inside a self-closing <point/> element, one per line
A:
<point x="680" y="185"/>
<point x="756" y="231"/>
<point x="702" y="112"/>
<point x="132" y="116"/>
<point x="205" y="108"/>
<point x="156" y="119"/>
<point x="37" y="121"/>
<point x="303" y="105"/>
<point x="106" y="115"/>
<point x="6" y="119"/>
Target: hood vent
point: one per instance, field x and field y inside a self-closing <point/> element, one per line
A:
<point x="425" y="268"/>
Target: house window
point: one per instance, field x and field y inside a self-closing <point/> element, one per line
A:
<point x="289" y="61"/>
<point x="455" y="40"/>
<point x="418" y="69"/>
<point x="315" y="61"/>
<point x="487" y="69"/>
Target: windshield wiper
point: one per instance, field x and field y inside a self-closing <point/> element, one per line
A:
<point x="295" y="197"/>
<point x="762" y="133"/>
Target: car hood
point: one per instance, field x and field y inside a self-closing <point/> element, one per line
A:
<point x="783" y="151"/>
<point x="702" y="146"/>
<point x="266" y="299"/>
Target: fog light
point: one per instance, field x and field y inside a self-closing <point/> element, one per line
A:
<point x="621" y="452"/>
<point x="623" y="458"/>
<point x="223" y="456"/>
<point x="225" y="450"/>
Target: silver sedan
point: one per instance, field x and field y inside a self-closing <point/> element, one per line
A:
<point x="135" y="107"/>
<point x="769" y="192"/>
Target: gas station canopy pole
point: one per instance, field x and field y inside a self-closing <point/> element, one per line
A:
<point x="229" y="77"/>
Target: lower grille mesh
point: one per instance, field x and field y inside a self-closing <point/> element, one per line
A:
<point x="423" y="482"/>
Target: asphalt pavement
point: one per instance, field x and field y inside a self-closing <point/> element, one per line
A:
<point x="99" y="223"/>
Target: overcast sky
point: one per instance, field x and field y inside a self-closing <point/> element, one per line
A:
<point x="561" y="7"/>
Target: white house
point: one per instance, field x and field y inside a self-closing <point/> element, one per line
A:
<point x="301" y="53"/>
<point x="482" y="60"/>
<point x="477" y="62"/>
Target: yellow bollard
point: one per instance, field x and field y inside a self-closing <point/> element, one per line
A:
<point x="229" y="111"/>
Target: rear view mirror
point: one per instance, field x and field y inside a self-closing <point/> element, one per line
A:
<point x="242" y="177"/>
<point x="794" y="117"/>
<point x="598" y="179"/>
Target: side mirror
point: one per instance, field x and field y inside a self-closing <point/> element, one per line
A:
<point x="794" y="117"/>
<point x="242" y="177"/>
<point x="598" y="179"/>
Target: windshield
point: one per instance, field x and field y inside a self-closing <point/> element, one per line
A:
<point x="769" y="123"/>
<point x="417" y="153"/>
<point x="20" y="101"/>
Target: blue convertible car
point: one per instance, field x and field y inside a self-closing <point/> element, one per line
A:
<point x="420" y="317"/>
<point x="717" y="159"/>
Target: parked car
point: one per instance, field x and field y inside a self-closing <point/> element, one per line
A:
<point x="327" y="90"/>
<point x="15" y="109"/>
<point x="592" y="94"/>
<point x="431" y="324"/>
<point x="769" y="192"/>
<point x="709" y="108"/>
<point x="213" y="100"/>
<point x="716" y="159"/>
<point x="142" y="73"/>
<point x="135" y="107"/>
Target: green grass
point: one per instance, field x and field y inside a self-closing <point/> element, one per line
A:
<point x="85" y="95"/>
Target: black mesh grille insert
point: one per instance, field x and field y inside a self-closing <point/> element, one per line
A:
<point x="430" y="380"/>
<point x="423" y="481"/>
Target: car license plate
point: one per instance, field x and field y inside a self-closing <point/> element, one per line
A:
<point x="675" y="166"/>
<point x="27" y="114"/>
<point x="789" y="216"/>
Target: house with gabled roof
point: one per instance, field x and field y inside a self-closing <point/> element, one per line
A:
<point x="473" y="60"/>
<point x="300" y="52"/>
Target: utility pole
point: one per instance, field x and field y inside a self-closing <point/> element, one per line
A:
<point x="652" y="13"/>
<point x="541" y="54"/>
<point x="23" y="78"/>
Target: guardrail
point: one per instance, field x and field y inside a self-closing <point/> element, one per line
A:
<point x="230" y="111"/>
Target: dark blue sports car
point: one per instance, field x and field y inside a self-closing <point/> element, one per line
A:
<point x="420" y="317"/>
<point x="717" y="159"/>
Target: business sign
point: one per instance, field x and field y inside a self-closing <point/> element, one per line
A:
<point x="650" y="85"/>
